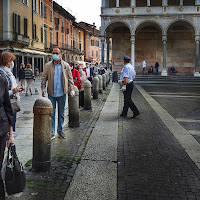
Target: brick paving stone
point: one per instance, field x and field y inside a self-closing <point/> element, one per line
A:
<point x="151" y="163"/>
<point x="65" y="156"/>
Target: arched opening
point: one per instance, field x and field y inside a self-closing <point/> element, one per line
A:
<point x="181" y="47"/>
<point x="156" y="2"/>
<point x="141" y="3"/>
<point x="148" y="46"/>
<point x="68" y="58"/>
<point x="111" y="3"/>
<point x="121" y="44"/>
<point x="189" y="3"/>
<point x="124" y="3"/>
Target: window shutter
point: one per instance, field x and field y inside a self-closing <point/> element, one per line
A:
<point x="25" y="27"/>
<point x="14" y="23"/>
<point x="19" y="24"/>
<point x="41" y="34"/>
<point x="33" y="4"/>
<point x="37" y="6"/>
<point x="35" y="31"/>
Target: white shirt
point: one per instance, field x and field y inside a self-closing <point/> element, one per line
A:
<point x="88" y="71"/>
<point x="144" y="64"/>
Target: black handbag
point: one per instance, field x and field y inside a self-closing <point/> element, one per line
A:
<point x="15" y="180"/>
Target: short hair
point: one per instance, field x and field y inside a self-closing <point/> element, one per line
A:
<point x="6" y="57"/>
<point x="58" y="48"/>
<point x="127" y="61"/>
<point x="28" y="66"/>
<point x="22" y="64"/>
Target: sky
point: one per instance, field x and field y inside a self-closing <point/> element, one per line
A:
<point x="84" y="10"/>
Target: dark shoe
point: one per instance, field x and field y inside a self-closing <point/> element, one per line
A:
<point x="61" y="135"/>
<point x="135" y="115"/>
<point x="122" y="115"/>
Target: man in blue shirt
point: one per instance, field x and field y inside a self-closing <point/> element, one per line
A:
<point x="127" y="77"/>
<point x="59" y="77"/>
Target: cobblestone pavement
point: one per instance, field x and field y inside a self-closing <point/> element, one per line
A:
<point x="66" y="154"/>
<point x="151" y="163"/>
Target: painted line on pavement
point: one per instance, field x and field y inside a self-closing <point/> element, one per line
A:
<point x="187" y="141"/>
<point x="187" y="120"/>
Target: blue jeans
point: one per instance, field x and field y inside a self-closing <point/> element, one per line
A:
<point x="14" y="120"/>
<point x="61" y="110"/>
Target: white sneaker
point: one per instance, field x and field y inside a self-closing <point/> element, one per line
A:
<point x="53" y="137"/>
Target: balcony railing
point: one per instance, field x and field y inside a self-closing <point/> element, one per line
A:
<point x="151" y="10"/>
<point x="14" y="38"/>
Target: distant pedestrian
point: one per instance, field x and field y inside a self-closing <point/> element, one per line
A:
<point x="150" y="71"/>
<point x="21" y="73"/>
<point x="60" y="80"/>
<point x="83" y="78"/>
<point x="127" y="77"/>
<point x="89" y="71"/>
<point x="29" y="76"/>
<point x="6" y="122"/>
<point x="144" y="64"/>
<point x="6" y="66"/>
<point x="156" y="67"/>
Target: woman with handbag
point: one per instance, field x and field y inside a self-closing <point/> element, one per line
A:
<point x="6" y="65"/>
<point x="6" y="121"/>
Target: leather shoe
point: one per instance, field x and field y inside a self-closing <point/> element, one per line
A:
<point x="135" y="115"/>
<point x="122" y="115"/>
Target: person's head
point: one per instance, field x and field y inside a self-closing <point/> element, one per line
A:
<point x="126" y="59"/>
<point x="80" y="68"/>
<point x="21" y="65"/>
<point x="28" y="66"/>
<point x="6" y="59"/>
<point x="57" y="55"/>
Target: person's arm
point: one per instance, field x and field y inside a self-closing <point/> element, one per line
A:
<point x="44" y="78"/>
<point x="70" y="80"/>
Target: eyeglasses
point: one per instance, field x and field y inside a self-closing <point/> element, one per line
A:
<point x="56" y="53"/>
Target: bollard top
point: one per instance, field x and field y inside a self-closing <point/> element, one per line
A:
<point x="43" y="102"/>
<point x="99" y="76"/>
<point x="103" y="75"/>
<point x="95" y="79"/>
<point x="87" y="84"/>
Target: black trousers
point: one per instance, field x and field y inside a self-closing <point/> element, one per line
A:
<point x="128" y="103"/>
<point x="81" y="98"/>
<point x="3" y="140"/>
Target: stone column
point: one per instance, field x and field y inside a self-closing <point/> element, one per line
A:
<point x="102" y="49"/>
<point x="133" y="3"/>
<point x="196" y="73"/>
<point x="133" y="50"/>
<point x="117" y="3"/>
<point x="164" y="2"/>
<point x="181" y="2"/>
<point x="197" y="2"/>
<point x="108" y="52"/>
<point x="164" y="71"/>
<point x="148" y="2"/>
<point x="103" y="3"/>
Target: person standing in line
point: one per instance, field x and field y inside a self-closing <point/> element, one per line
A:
<point x="127" y="77"/>
<point x="76" y="76"/>
<point x="156" y="66"/>
<point x="6" y="126"/>
<point x="83" y="78"/>
<point x="144" y="66"/>
<point x="89" y="72"/>
<point x="21" y="73"/>
<point x="60" y="80"/>
<point x="6" y="66"/>
<point x="29" y="76"/>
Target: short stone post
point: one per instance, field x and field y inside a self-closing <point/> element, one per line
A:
<point x="100" y="84"/>
<point x="73" y="105"/>
<point x="87" y="95"/>
<point x="104" y="81"/>
<point x="107" y="78"/>
<point x="42" y="130"/>
<point x="95" y="87"/>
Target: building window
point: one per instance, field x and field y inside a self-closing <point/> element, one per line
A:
<point x="80" y="46"/>
<point x="42" y="34"/>
<point x="57" y="23"/>
<point x="16" y="23"/>
<point x="51" y="38"/>
<point x="45" y="11"/>
<point x="92" y="53"/>
<point x="35" y="5"/>
<point x="63" y="40"/>
<point x="41" y="9"/>
<point x="51" y="15"/>
<point x="25" y="27"/>
<point x="57" y="38"/>
<point x="25" y="2"/>
<point x="79" y="35"/>
<point x="97" y="55"/>
<point x="92" y="42"/>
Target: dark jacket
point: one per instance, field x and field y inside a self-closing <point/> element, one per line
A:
<point x="21" y="74"/>
<point x="6" y="114"/>
<point x="29" y="73"/>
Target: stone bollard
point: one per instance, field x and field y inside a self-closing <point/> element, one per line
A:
<point x="109" y="75"/>
<point x="42" y="130"/>
<point x="100" y="84"/>
<point x="115" y="77"/>
<point x="87" y="95"/>
<point x="95" y="87"/>
<point x="73" y="105"/>
<point x="104" y="81"/>
<point x="107" y="78"/>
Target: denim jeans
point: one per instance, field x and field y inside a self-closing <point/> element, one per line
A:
<point x="61" y="110"/>
<point x="14" y="120"/>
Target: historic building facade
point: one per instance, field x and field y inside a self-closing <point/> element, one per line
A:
<point x="21" y="31"/>
<point x="167" y="31"/>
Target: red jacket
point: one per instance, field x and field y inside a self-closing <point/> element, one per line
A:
<point x="85" y="71"/>
<point x="75" y="74"/>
